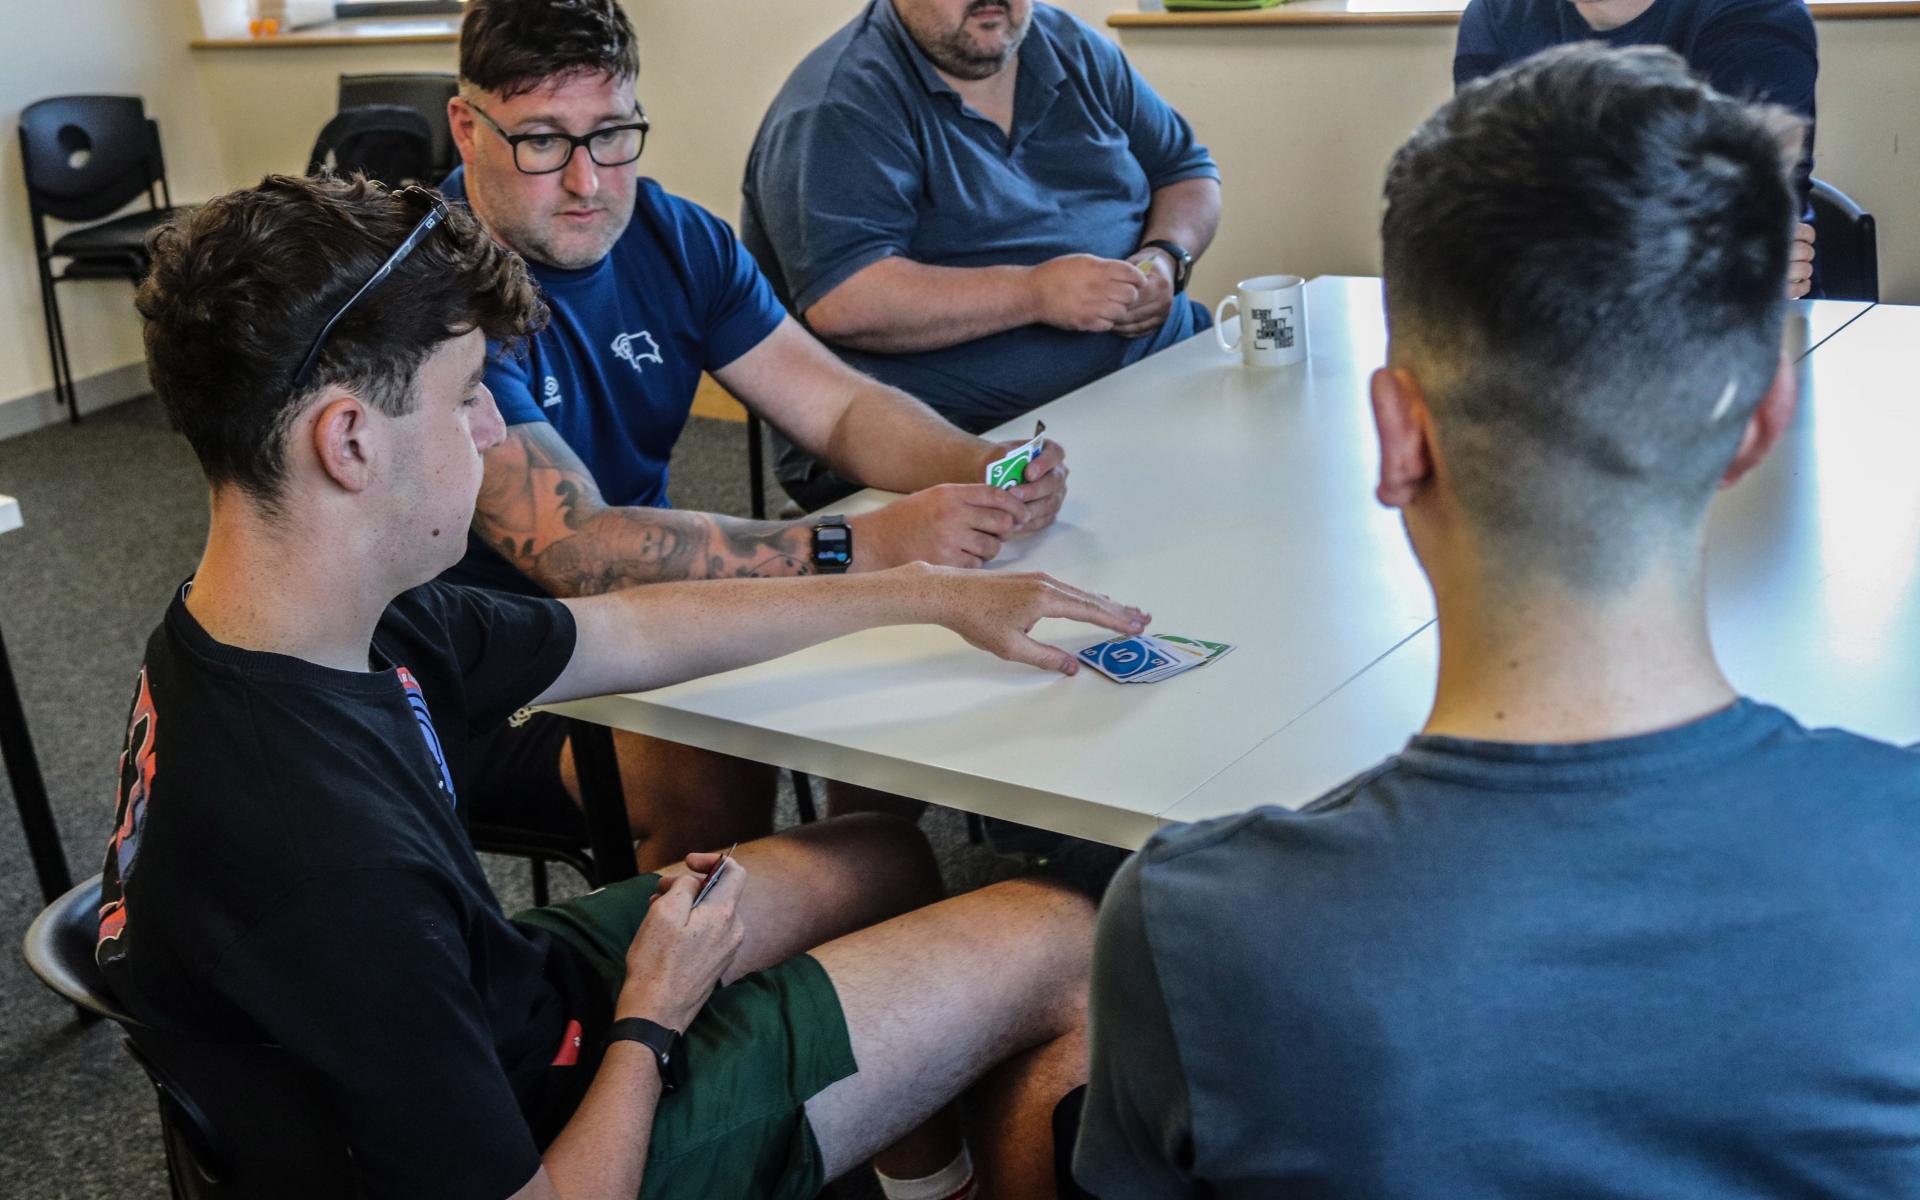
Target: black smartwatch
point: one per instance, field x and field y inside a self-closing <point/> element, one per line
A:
<point x="1182" y="261"/>
<point x="832" y="546"/>
<point x="664" y="1042"/>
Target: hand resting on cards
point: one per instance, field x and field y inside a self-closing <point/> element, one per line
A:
<point x="997" y="613"/>
<point x="665" y="633"/>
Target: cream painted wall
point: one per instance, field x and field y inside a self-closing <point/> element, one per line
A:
<point x="1302" y="121"/>
<point x="58" y="47"/>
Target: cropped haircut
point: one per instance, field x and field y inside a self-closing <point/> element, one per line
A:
<point x="515" y="46"/>
<point x="1586" y="263"/>
<point x="241" y="286"/>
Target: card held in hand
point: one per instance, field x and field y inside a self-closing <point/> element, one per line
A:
<point x="713" y="877"/>
<point x="1010" y="469"/>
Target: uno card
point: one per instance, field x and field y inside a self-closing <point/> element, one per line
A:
<point x="1182" y="659"/>
<point x="713" y="877"/>
<point x="1010" y="469"/>
<point x="1207" y="651"/>
<point x="1123" y="659"/>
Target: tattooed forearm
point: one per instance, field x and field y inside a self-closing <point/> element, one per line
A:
<point x="622" y="547"/>
<point x="540" y="508"/>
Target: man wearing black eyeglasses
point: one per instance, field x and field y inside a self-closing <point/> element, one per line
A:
<point x="648" y="291"/>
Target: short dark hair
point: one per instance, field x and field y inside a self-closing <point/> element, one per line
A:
<point x="241" y="286"/>
<point x="1586" y="263"/>
<point x="514" y="46"/>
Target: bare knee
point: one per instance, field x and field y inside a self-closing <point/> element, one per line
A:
<point x="1044" y="932"/>
<point x="886" y="858"/>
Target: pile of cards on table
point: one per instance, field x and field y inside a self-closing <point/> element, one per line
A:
<point x="1150" y="657"/>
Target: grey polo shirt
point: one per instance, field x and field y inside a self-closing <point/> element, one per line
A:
<point x="867" y="152"/>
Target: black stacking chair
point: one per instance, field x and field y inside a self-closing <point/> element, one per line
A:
<point x="86" y="158"/>
<point x="387" y="142"/>
<point x="425" y="92"/>
<point x="238" y="1121"/>
<point x="1846" y="246"/>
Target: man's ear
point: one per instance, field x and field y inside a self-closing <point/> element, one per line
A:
<point x="461" y="120"/>
<point x="343" y="441"/>
<point x="1400" y="420"/>
<point x="1767" y="423"/>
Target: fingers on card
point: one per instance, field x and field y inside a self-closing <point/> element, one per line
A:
<point x="1010" y="469"/>
<point x="1149" y="658"/>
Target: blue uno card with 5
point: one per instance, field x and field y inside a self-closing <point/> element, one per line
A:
<point x="1125" y="658"/>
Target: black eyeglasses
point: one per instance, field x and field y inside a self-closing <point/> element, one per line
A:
<point x="545" y="153"/>
<point x="436" y="214"/>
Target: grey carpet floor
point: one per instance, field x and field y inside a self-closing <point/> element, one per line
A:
<point x="115" y="516"/>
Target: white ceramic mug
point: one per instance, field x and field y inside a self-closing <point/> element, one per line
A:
<point x="1273" y="320"/>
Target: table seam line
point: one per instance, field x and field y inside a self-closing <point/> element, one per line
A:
<point x="1841" y="328"/>
<point x="1336" y="690"/>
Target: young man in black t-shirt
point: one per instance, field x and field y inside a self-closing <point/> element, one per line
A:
<point x="289" y="862"/>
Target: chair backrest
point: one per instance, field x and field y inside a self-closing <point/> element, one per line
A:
<point x="88" y="156"/>
<point x="239" y="1121"/>
<point x="426" y="92"/>
<point x="1846" y="246"/>
<point x="387" y="142"/>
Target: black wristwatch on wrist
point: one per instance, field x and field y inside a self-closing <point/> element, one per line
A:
<point x="832" y="546"/>
<point x="1182" y="261"/>
<point x="664" y="1042"/>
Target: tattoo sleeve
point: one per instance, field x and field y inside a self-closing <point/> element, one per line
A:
<point x="540" y="508"/>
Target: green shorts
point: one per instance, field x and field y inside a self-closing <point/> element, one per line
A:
<point x="764" y="1044"/>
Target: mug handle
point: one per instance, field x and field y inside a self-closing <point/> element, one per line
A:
<point x="1220" y="322"/>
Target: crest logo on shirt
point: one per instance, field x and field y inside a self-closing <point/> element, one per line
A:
<point x="550" y="394"/>
<point x="636" y="348"/>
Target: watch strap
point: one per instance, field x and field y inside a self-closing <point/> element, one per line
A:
<point x="664" y="1042"/>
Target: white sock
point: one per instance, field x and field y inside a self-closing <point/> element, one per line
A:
<point x="951" y="1182"/>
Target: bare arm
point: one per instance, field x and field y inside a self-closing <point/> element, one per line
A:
<point x="898" y="306"/>
<point x="541" y="509"/>
<point x="650" y="637"/>
<point x="862" y="428"/>
<point x="1185" y="213"/>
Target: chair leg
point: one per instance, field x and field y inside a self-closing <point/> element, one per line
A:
<point x="50" y="307"/>
<point x="756" y="469"/>
<point x="603" y="802"/>
<point x="539" y="866"/>
<point x="66" y="364"/>
<point x="30" y="790"/>
<point x="803" y="797"/>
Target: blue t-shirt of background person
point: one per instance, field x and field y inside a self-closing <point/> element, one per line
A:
<point x="866" y="152"/>
<point x="1752" y="49"/>
<point x="616" y="368"/>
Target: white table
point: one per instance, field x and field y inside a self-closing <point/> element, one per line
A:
<point x="1813" y="586"/>
<point x="1235" y="503"/>
<point x="23" y="766"/>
